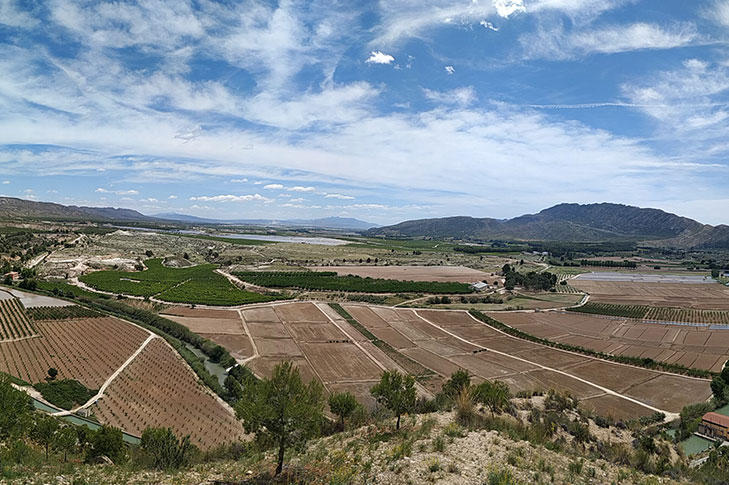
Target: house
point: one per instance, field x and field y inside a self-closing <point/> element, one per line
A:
<point x="480" y="286"/>
<point x="14" y="275"/>
<point x="715" y="425"/>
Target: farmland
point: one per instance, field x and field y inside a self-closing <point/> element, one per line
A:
<point x="195" y="284"/>
<point x="666" y="314"/>
<point x="87" y="349"/>
<point x="14" y="323"/>
<point x="319" y="280"/>
<point x="689" y="346"/>
<point x="159" y="389"/>
<point x="445" y="341"/>
<point x="708" y="296"/>
<point x="449" y="274"/>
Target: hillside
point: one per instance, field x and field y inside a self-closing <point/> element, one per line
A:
<point x="573" y="222"/>
<point x="12" y="208"/>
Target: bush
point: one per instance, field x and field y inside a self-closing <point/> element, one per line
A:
<point x="65" y="393"/>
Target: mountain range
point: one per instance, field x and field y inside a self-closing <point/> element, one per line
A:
<point x="573" y="222"/>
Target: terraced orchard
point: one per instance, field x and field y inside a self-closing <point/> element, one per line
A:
<point x="331" y="281"/>
<point x="665" y="314"/>
<point x="197" y="284"/>
<point x="158" y="389"/>
<point x="14" y="323"/>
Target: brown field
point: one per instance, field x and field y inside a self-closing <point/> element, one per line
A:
<point x="691" y="346"/>
<point x="456" y="340"/>
<point x="457" y="274"/>
<point x="14" y="323"/>
<point x="701" y="296"/>
<point x="88" y="350"/>
<point x="158" y="389"/>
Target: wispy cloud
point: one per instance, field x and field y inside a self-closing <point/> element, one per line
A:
<point x="117" y="192"/>
<point x="230" y="198"/>
<point x="461" y="96"/>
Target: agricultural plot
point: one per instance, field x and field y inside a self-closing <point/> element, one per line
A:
<point x="158" y="389"/>
<point x="708" y="296"/>
<point x="445" y="341"/>
<point x="446" y="274"/>
<point x="691" y="346"/>
<point x="87" y="349"/>
<point x="14" y="323"/>
<point x="224" y="327"/>
<point x="195" y="284"/>
<point x="304" y="334"/>
<point x="331" y="281"/>
<point x="665" y="314"/>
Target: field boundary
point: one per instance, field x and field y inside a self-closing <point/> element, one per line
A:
<point x="669" y="415"/>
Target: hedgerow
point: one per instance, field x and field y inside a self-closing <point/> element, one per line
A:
<point x="327" y="280"/>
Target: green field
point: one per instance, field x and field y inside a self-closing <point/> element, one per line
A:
<point x="666" y="314"/>
<point x="330" y="281"/>
<point x="196" y="284"/>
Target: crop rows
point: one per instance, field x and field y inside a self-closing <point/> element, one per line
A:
<point x="61" y="312"/>
<point x="196" y="284"/>
<point x="87" y="350"/>
<point x="565" y="288"/>
<point x="326" y="280"/>
<point x="665" y="314"/>
<point x="157" y="389"/>
<point x="14" y="323"/>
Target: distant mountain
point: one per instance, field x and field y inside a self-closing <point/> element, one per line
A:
<point x="573" y="222"/>
<point x="344" y="223"/>
<point x="13" y="208"/>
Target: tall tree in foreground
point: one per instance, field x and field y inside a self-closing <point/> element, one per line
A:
<point x="15" y="409"/>
<point x="282" y="409"/>
<point x="396" y="392"/>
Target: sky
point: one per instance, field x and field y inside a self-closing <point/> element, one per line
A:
<point x="384" y="111"/>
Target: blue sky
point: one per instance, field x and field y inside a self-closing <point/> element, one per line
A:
<point x="383" y="111"/>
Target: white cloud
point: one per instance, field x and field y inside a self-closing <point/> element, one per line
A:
<point x="488" y="25"/>
<point x="338" y="196"/>
<point x="555" y="43"/>
<point x="237" y="181"/>
<point x="273" y="187"/>
<point x="12" y="16"/>
<point x="506" y="8"/>
<point x="720" y="12"/>
<point x="450" y="69"/>
<point x="377" y="57"/>
<point x="299" y="188"/>
<point x="297" y="200"/>
<point x="6" y="182"/>
<point x="117" y="192"/>
<point x="461" y="96"/>
<point x="172" y="197"/>
<point x="230" y="198"/>
<point x="150" y="200"/>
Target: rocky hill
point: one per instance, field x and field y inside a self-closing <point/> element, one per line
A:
<point x="573" y="222"/>
<point x="20" y="209"/>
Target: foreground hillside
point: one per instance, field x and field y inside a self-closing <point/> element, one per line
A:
<point x="572" y="222"/>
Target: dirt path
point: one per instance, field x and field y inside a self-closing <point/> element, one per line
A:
<point x="669" y="415"/>
<point x="111" y="378"/>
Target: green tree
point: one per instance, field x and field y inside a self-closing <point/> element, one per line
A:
<point x="44" y="432"/>
<point x="458" y="381"/>
<point x="52" y="373"/>
<point x="282" y="409"/>
<point x="15" y="409"/>
<point x="396" y="392"/>
<point x="494" y="395"/>
<point x="106" y="441"/>
<point x="343" y="405"/>
<point x="66" y="441"/>
<point x="166" y="451"/>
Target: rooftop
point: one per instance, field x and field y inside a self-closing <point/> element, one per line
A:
<point x="716" y="418"/>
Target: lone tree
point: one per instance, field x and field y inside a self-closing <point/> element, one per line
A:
<point x="282" y="409"/>
<point x="396" y="392"/>
<point x="52" y="373"/>
<point x="66" y="441"/>
<point x="343" y="405"/>
<point x="494" y="395"/>
<point x="44" y="432"/>
<point x="458" y="381"/>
